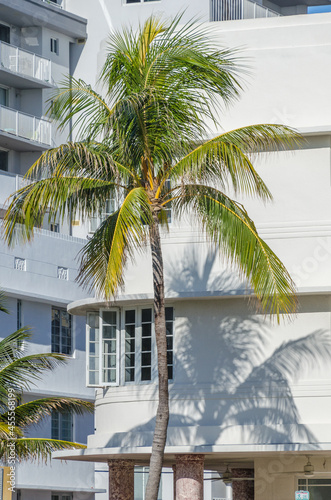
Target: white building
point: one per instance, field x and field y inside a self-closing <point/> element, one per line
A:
<point x="37" y="41"/>
<point x="244" y="391"/>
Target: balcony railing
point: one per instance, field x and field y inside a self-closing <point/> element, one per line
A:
<point x="56" y="4"/>
<point x="24" y="62"/>
<point x="231" y="10"/>
<point x="25" y="126"/>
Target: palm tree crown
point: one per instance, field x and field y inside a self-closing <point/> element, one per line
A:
<point x="142" y="139"/>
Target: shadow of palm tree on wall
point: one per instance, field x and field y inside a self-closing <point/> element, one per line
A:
<point x="239" y="390"/>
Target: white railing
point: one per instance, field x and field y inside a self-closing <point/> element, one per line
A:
<point x="231" y="10"/>
<point x="25" y="126"/>
<point x="24" y="62"/>
<point x="53" y="3"/>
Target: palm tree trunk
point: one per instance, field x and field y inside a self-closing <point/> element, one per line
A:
<point x="162" y="415"/>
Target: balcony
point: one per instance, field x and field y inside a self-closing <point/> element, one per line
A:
<point x="231" y="10"/>
<point x="23" y="132"/>
<point x="9" y="183"/>
<point x="22" y="69"/>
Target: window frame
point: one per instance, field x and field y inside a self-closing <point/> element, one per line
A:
<point x="71" y="327"/>
<point x="99" y="314"/>
<point x="120" y="347"/>
<point x="60" y="415"/>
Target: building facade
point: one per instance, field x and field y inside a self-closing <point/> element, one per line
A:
<point x="245" y="393"/>
<point x="38" y="41"/>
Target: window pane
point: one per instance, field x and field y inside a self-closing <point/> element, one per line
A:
<point x="146" y="315"/>
<point x="169" y="313"/>
<point x="129" y="375"/>
<point x="146" y="358"/>
<point x="109" y="332"/>
<point x="146" y="374"/>
<point x="109" y="317"/>
<point x="146" y="344"/>
<point x="130" y="317"/>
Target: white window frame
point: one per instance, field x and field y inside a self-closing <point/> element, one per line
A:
<point x="60" y="416"/>
<point x="118" y="351"/>
<point x="120" y="347"/>
<point x="72" y="326"/>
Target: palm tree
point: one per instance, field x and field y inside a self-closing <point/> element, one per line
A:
<point x="17" y="371"/>
<point x="142" y="139"/>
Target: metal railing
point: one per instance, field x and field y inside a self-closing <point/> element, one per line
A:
<point x="25" y="126"/>
<point x="60" y="6"/>
<point x="231" y="10"/>
<point x="24" y="62"/>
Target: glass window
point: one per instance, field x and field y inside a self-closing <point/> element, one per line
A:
<point x="130" y="345"/>
<point x="3" y="155"/>
<point x="4" y="33"/>
<point x="146" y="344"/>
<point x="319" y="489"/>
<point x="55" y="45"/>
<point x="18" y="314"/>
<point x="62" y="425"/>
<point x="61" y="331"/>
<point x="169" y="314"/>
<point x="128" y="350"/>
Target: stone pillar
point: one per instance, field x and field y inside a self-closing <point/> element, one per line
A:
<point x="189" y="477"/>
<point x="121" y="479"/>
<point x="242" y="490"/>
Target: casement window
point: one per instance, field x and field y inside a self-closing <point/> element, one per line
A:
<point x="61" y="331"/>
<point x="54" y="45"/>
<point x="121" y="347"/>
<point x="62" y="426"/>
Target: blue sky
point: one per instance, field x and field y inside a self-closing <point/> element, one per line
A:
<point x="320" y="8"/>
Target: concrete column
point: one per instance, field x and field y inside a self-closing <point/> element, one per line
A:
<point x="242" y="490"/>
<point x="121" y="479"/>
<point x="189" y="477"/>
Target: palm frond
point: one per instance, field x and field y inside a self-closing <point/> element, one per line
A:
<point x="34" y="448"/>
<point x="230" y="228"/>
<point x="34" y="411"/>
<point x="227" y="158"/>
<point x="3" y="301"/>
<point x="118" y="237"/>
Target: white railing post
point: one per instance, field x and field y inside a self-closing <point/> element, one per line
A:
<point x="34" y="66"/>
<point x="17" y="56"/>
<point x="17" y="124"/>
<point x="254" y="11"/>
<point x="34" y="131"/>
<point x="242" y="9"/>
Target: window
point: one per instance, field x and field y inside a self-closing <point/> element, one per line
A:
<point x="19" y="314"/>
<point x="61" y="331"/>
<point x="319" y="489"/>
<point x="54" y="227"/>
<point x="121" y="348"/>
<point x="61" y="496"/>
<point x="55" y="45"/>
<point x="4" y="159"/>
<point x="140" y="482"/>
<point x="62" y="426"/>
<point x="4" y="33"/>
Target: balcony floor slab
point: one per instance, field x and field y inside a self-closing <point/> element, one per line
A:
<point x="20" y="81"/>
<point x="16" y="143"/>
